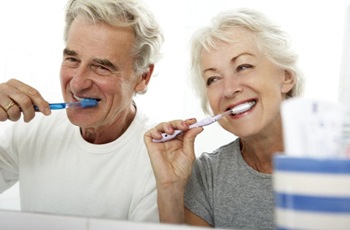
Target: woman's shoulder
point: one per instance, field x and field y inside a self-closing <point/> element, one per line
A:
<point x="224" y="152"/>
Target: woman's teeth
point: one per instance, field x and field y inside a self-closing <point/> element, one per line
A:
<point x="242" y="107"/>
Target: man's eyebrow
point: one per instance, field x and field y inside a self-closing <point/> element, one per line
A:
<point x="105" y="62"/>
<point x="69" y="52"/>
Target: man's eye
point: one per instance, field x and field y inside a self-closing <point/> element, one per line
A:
<point x="101" y="70"/>
<point x="70" y="61"/>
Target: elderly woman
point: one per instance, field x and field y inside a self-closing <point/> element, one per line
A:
<point x="242" y="59"/>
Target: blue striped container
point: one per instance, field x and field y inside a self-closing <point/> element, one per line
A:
<point x="311" y="193"/>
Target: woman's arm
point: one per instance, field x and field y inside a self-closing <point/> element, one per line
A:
<point x="193" y="219"/>
<point x="172" y="166"/>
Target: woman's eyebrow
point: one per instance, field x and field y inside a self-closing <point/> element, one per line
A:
<point x="209" y="69"/>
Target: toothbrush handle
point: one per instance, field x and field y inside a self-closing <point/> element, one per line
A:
<point x="204" y="122"/>
<point x="167" y="137"/>
<point x="58" y="106"/>
<point x="54" y="106"/>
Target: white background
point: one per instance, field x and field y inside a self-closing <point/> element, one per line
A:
<point x="31" y="44"/>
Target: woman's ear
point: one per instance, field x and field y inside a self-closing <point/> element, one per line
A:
<point x="141" y="86"/>
<point x="288" y="82"/>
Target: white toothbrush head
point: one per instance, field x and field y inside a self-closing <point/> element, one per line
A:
<point x="242" y="107"/>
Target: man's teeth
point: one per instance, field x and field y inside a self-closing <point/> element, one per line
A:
<point x="78" y="98"/>
<point x="84" y="98"/>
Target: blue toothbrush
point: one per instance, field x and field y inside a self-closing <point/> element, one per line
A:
<point x="85" y="103"/>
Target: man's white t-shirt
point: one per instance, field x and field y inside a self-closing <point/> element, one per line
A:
<point x="59" y="172"/>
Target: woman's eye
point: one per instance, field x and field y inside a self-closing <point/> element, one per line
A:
<point x="211" y="80"/>
<point x="243" y="67"/>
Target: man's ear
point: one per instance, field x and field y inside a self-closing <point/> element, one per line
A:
<point x="141" y="86"/>
<point x="288" y="82"/>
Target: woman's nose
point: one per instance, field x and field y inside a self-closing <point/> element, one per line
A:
<point x="232" y="86"/>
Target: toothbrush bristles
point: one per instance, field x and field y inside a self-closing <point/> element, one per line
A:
<point x="88" y="102"/>
<point x="242" y="108"/>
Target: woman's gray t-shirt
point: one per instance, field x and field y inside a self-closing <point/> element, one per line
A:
<point x="227" y="193"/>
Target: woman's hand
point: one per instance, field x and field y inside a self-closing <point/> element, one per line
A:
<point x="172" y="166"/>
<point x="172" y="160"/>
<point x="17" y="98"/>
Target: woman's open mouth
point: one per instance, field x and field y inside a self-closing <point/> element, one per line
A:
<point x="244" y="107"/>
